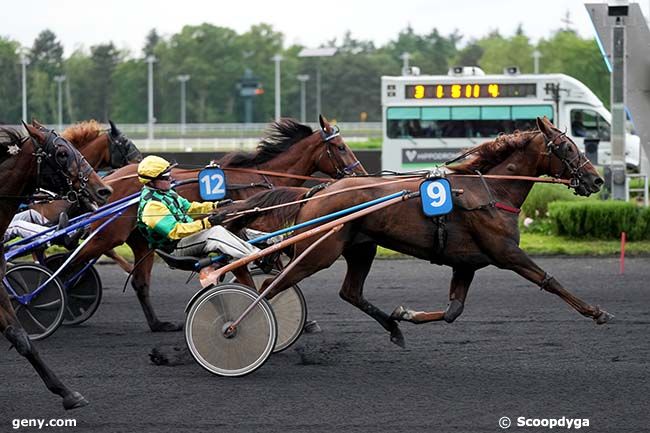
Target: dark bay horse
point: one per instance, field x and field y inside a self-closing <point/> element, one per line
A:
<point x="104" y="150"/>
<point x="289" y="147"/>
<point x="479" y="233"/>
<point x="59" y="167"/>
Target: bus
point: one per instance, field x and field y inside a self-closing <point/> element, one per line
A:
<point x="429" y="119"/>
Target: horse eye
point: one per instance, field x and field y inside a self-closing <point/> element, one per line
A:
<point x="341" y="148"/>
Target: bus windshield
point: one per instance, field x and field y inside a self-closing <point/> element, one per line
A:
<point x="462" y="121"/>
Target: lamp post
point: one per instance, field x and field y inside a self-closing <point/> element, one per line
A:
<point x="24" y="61"/>
<point x="536" y="56"/>
<point x="59" y="81"/>
<point x="405" y="62"/>
<point x="150" y="117"/>
<point x="278" y="112"/>
<point x="183" y="80"/>
<point x="303" y="80"/>
<point x="317" y="52"/>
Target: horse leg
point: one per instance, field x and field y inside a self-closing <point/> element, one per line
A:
<point x="517" y="260"/>
<point x="121" y="261"/>
<point x="460" y="282"/>
<point x="359" y="258"/>
<point x="141" y="283"/>
<point x="10" y="327"/>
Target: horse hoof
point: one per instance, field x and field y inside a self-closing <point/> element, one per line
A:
<point x="312" y="327"/>
<point x="397" y="338"/>
<point x="398" y="313"/>
<point x="604" y="317"/>
<point x="167" y="327"/>
<point x="74" y="400"/>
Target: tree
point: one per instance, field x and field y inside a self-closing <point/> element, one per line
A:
<point x="151" y="40"/>
<point x="10" y="85"/>
<point x="568" y="53"/>
<point x="46" y="60"/>
<point x="500" y="52"/>
<point x="105" y="59"/>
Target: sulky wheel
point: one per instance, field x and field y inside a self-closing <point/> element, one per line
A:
<point x="290" y="310"/>
<point x="241" y="352"/>
<point x="43" y="314"/>
<point x="84" y="294"/>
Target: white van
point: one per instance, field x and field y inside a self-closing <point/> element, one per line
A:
<point x="429" y="118"/>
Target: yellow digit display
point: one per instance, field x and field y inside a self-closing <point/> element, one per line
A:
<point x="493" y="90"/>
<point x="470" y="90"/>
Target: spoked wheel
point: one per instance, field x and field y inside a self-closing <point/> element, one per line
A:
<point x="243" y="351"/>
<point x="84" y="294"/>
<point x="289" y="307"/>
<point x="44" y="313"/>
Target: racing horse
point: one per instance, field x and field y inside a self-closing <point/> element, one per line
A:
<point x="482" y="229"/>
<point x="40" y="159"/>
<point x="104" y="150"/>
<point x="288" y="147"/>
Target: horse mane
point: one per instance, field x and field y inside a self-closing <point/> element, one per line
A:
<point x="279" y="137"/>
<point x="8" y="137"/>
<point x="82" y="132"/>
<point x="492" y="153"/>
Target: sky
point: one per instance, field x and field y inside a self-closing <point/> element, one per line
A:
<point x="83" y="23"/>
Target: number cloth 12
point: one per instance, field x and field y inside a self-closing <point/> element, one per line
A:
<point x="436" y="197"/>
<point x="212" y="184"/>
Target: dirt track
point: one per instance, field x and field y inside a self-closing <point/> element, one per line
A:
<point x="514" y="352"/>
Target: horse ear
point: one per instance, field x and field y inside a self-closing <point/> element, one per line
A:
<point x="114" y="130"/>
<point x="545" y="126"/>
<point x="324" y="124"/>
<point x="34" y="132"/>
<point x="37" y="124"/>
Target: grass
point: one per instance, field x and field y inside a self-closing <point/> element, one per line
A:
<point x="541" y="244"/>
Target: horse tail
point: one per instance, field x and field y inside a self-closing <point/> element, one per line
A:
<point x="277" y="218"/>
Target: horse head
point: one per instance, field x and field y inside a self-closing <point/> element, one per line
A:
<point x="566" y="161"/>
<point x="64" y="170"/>
<point x="122" y="149"/>
<point x="340" y="160"/>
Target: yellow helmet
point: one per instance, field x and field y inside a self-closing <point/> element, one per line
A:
<point x="153" y="167"/>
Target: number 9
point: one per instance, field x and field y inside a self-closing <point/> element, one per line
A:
<point x="437" y="194"/>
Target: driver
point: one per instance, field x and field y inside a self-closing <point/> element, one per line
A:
<point x="176" y="225"/>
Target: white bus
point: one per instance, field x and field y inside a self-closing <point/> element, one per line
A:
<point x="430" y="119"/>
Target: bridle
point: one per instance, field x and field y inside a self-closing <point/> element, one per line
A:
<point x="56" y="172"/>
<point x="121" y="150"/>
<point x="572" y="165"/>
<point x="342" y="170"/>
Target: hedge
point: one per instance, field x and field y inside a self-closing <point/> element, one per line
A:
<point x="600" y="219"/>
<point x="536" y="204"/>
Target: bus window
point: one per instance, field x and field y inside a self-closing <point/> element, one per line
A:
<point x="589" y="124"/>
<point x="461" y="122"/>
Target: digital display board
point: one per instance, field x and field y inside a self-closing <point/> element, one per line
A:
<point x="470" y="91"/>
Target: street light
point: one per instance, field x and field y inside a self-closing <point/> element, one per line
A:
<point x="317" y="52"/>
<point x="277" y="59"/>
<point x="151" y="119"/>
<point x="536" y="56"/>
<point x="24" y="61"/>
<point x="303" y="80"/>
<point x="183" y="79"/>
<point x="405" y="62"/>
<point x="59" y="81"/>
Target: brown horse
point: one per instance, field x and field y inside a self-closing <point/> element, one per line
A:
<point x="482" y="230"/>
<point x="289" y="147"/>
<point x="40" y="160"/>
<point x="104" y="149"/>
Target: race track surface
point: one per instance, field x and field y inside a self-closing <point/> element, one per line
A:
<point x="514" y="352"/>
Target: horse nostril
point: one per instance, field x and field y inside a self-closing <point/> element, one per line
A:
<point x="599" y="181"/>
